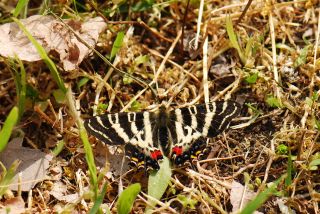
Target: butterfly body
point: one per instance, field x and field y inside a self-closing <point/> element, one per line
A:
<point x="178" y="134"/>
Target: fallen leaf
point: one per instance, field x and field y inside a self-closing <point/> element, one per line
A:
<point x="13" y="205"/>
<point x="33" y="166"/>
<point x="60" y="192"/>
<point x="240" y="196"/>
<point x="53" y="35"/>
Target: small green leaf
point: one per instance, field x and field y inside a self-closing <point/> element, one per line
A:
<point x="187" y="202"/>
<point x="141" y="60"/>
<point x="127" y="79"/>
<point x="101" y="108"/>
<point x="273" y="102"/>
<point x="313" y="165"/>
<point x="117" y="45"/>
<point x="59" y="96"/>
<point x="142" y="5"/>
<point x="317" y="124"/>
<point x="127" y="197"/>
<point x="282" y="149"/>
<point x="8" y="126"/>
<point x="252" y="78"/>
<point x="135" y="106"/>
<point x="302" y="57"/>
<point x="82" y="82"/>
<point x="233" y="39"/>
<point x="158" y="182"/>
<point x="59" y="147"/>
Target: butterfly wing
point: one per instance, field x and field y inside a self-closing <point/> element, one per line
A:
<point x="191" y="125"/>
<point x="134" y="129"/>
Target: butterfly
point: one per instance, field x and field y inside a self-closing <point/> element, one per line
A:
<point x="179" y="134"/>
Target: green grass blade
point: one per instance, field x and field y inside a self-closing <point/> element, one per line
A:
<point x="117" y="44"/>
<point x="59" y="147"/>
<point x="233" y="39"/>
<point x="99" y="200"/>
<point x="22" y="4"/>
<point x="127" y="197"/>
<point x="22" y="87"/>
<point x="261" y="197"/>
<point x="7" y="176"/>
<point x="52" y="67"/>
<point x="7" y="128"/>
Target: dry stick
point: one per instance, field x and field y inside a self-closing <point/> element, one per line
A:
<point x="160" y="69"/>
<point x="156" y="53"/>
<point x="199" y="24"/>
<point x="183" y="24"/>
<point x="243" y="12"/>
<point x="274" y="57"/>
<point x="205" y="70"/>
<point x="266" y="174"/>
<point x="316" y="46"/>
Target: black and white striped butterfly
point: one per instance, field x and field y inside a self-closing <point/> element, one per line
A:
<point x="179" y="134"/>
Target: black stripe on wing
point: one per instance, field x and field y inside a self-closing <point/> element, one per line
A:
<point x="115" y="129"/>
<point x="208" y="119"/>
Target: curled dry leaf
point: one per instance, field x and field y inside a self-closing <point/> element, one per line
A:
<point x="33" y="166"/>
<point x="53" y="35"/>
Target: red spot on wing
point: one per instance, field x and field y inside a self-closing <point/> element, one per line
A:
<point x="156" y="155"/>
<point x="177" y="150"/>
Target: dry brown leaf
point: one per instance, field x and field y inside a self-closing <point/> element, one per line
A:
<point x="33" y="166"/>
<point x="53" y="35"/>
<point x="240" y="196"/>
<point x="13" y="205"/>
<point x="60" y="192"/>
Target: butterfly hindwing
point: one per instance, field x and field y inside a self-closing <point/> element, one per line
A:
<point x="194" y="124"/>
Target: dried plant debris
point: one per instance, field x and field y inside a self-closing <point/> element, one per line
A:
<point x="175" y="53"/>
<point x="53" y="35"/>
<point x="33" y="164"/>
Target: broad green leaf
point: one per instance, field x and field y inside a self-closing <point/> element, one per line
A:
<point x="158" y="182"/>
<point x="127" y="197"/>
<point x="117" y="45"/>
<point x="7" y="128"/>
